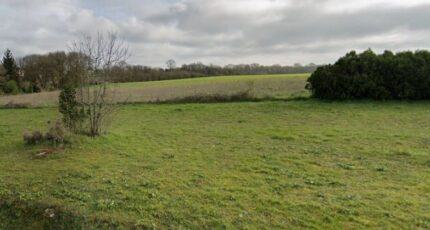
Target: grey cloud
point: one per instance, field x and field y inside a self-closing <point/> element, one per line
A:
<point x="221" y="31"/>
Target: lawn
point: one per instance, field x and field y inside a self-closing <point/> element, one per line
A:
<point x="275" y="86"/>
<point x="256" y="165"/>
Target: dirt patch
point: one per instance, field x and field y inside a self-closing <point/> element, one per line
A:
<point x="47" y="152"/>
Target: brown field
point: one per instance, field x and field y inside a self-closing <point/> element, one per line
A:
<point x="274" y="86"/>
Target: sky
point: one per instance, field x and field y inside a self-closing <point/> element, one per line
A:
<point x="220" y="31"/>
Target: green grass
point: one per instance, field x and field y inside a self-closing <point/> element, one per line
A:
<point x="265" y="165"/>
<point x="215" y="79"/>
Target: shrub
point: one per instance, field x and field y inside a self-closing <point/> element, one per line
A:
<point x="56" y="133"/>
<point x="36" y="137"/>
<point x="26" y="87"/>
<point x="242" y="95"/>
<point x="215" y="98"/>
<point x="11" y="87"/>
<point x="405" y="75"/>
<point x="70" y="108"/>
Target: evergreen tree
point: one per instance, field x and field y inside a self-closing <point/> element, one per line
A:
<point x="73" y="114"/>
<point x="10" y="66"/>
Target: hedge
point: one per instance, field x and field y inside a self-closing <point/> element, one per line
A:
<point x="387" y="76"/>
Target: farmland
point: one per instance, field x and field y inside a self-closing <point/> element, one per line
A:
<point x="274" y="86"/>
<point x="262" y="165"/>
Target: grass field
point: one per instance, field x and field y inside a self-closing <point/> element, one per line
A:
<point x="275" y="86"/>
<point x="255" y="165"/>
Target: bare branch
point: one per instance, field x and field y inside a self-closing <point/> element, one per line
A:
<point x="100" y="54"/>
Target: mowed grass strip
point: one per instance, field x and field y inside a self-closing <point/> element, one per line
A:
<point x="276" y="86"/>
<point x="266" y="165"/>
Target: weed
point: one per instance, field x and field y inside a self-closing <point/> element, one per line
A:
<point x="34" y="138"/>
<point x="56" y="133"/>
<point x="381" y="169"/>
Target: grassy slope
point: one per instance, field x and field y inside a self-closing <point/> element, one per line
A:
<point x="214" y="80"/>
<point x="278" y="86"/>
<point x="243" y="165"/>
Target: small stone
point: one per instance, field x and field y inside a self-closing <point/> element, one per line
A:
<point x="49" y="213"/>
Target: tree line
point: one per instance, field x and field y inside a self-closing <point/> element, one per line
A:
<point x="387" y="76"/>
<point x="130" y="73"/>
<point x="35" y="73"/>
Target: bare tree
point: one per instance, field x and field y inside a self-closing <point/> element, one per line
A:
<point x="99" y="54"/>
<point x="171" y="64"/>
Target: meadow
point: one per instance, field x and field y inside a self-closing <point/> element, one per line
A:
<point x="274" y="86"/>
<point x="273" y="164"/>
<point x="263" y="165"/>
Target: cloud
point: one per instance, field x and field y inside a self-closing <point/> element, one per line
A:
<point x="221" y="31"/>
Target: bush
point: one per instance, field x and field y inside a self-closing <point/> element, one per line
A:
<point x="36" y="137"/>
<point x="242" y="95"/>
<point x="70" y="108"/>
<point x="11" y="87"/>
<point x="56" y="133"/>
<point x="405" y="75"/>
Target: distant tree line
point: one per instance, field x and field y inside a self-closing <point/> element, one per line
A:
<point x="35" y="73"/>
<point x="130" y="73"/>
<point x="387" y="76"/>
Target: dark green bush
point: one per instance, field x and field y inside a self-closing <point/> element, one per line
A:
<point x="405" y="75"/>
<point x="70" y="108"/>
<point x="11" y="87"/>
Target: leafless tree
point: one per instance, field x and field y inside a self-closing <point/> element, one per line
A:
<point x="99" y="54"/>
<point x="171" y="64"/>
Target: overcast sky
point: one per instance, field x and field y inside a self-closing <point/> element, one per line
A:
<point x="221" y="31"/>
